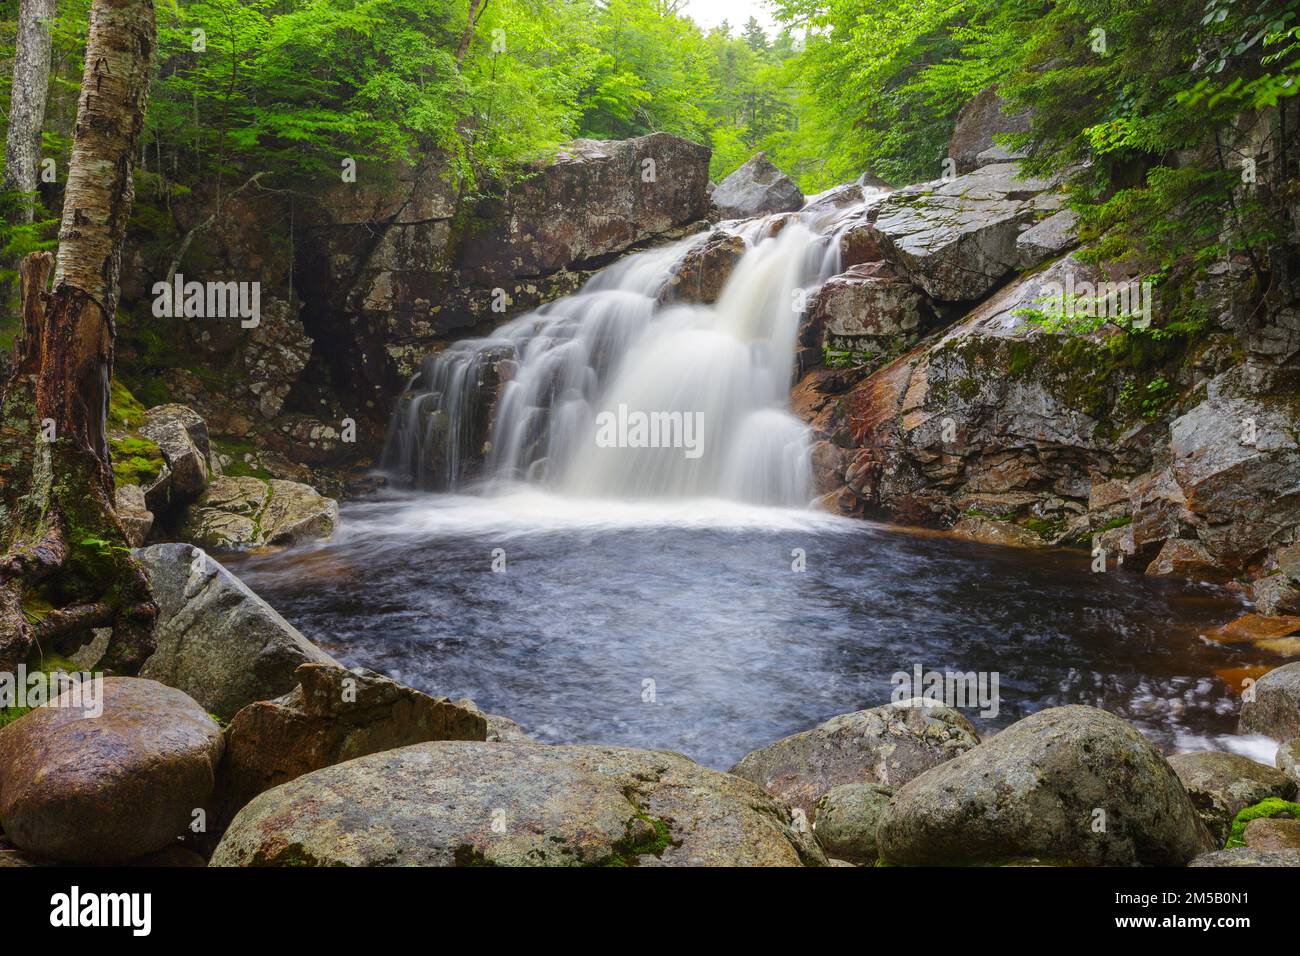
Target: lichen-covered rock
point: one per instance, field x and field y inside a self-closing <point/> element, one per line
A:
<point x="515" y="804"/>
<point x="1069" y="784"/>
<point x="700" y="274"/>
<point x="1245" y="856"/>
<point x="956" y="239"/>
<point x="136" y="517"/>
<point x="999" y="419"/>
<point x="869" y="312"/>
<point x="332" y="715"/>
<point x="847" y="816"/>
<point x="886" y="745"/>
<point x="217" y="640"/>
<point x="757" y="188"/>
<point x="85" y="788"/>
<point x="244" y="512"/>
<point x="1221" y="785"/>
<point x="971" y="145"/>
<point x="596" y="199"/>
<point x="1273" y="708"/>
<point x="173" y="428"/>
<point x="1049" y="238"/>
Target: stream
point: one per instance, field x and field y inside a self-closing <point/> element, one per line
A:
<point x="597" y="597"/>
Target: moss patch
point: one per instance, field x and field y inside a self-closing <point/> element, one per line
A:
<point x="136" y="459"/>
<point x="1265" y="809"/>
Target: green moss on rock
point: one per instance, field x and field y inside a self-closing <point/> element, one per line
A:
<point x="1265" y="809"/>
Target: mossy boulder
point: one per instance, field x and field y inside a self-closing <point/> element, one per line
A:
<point x="237" y="512"/>
<point x="136" y="459"/>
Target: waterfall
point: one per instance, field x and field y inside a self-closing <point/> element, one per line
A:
<point x="605" y="393"/>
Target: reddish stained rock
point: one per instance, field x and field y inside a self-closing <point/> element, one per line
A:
<point x="332" y="715"/>
<point x="84" y="789"/>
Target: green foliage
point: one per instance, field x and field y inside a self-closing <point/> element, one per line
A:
<point x="1265" y="809"/>
<point x="1150" y="142"/>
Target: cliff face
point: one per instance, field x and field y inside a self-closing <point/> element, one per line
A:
<point x="360" y="281"/>
<point x="1177" y="453"/>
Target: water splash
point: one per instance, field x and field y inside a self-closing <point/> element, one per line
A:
<point x="527" y="403"/>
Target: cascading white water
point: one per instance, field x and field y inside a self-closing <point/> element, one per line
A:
<point x="711" y="382"/>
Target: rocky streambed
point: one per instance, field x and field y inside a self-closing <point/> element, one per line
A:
<point x="244" y="744"/>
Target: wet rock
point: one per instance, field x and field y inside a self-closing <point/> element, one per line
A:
<point x="886" y="745"/>
<point x="704" y="270"/>
<point x="1221" y="785"/>
<point x="217" y="640"/>
<point x="996" y="406"/>
<point x="1244" y="856"/>
<point x="1274" y="709"/>
<point x="1277" y="589"/>
<point x="332" y="715"/>
<point x="846" y="820"/>
<point x="515" y="804"/>
<point x="972" y="145"/>
<point x="1272" y="833"/>
<point x="81" y="788"/>
<point x="1040" y="789"/>
<point x="244" y="512"/>
<point x="956" y="239"/>
<point x="499" y="729"/>
<point x="136" y="517"/>
<point x="869" y="312"/>
<point x="1187" y="559"/>
<point x="757" y="188"/>
<point x="1241" y="497"/>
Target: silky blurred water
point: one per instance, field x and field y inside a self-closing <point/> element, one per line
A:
<point x="600" y="596"/>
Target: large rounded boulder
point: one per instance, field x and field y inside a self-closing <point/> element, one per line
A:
<point x="1273" y="707"/>
<point x="1068" y="785"/>
<point x="82" y="786"/>
<point x="886" y="745"/>
<point x="454" y="803"/>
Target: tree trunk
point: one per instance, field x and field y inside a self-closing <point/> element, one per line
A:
<point x="66" y="567"/>
<point x="27" y="102"/>
<point x="476" y="8"/>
